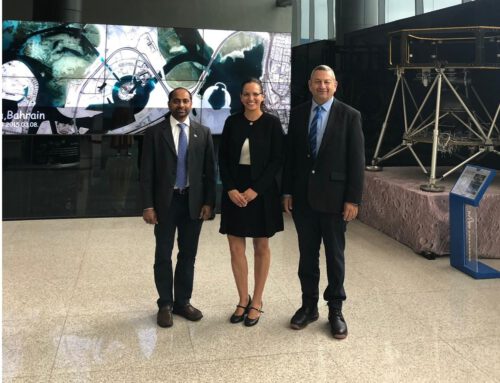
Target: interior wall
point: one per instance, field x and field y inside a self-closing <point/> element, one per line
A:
<point x="17" y="10"/>
<point x="255" y="15"/>
<point x="352" y="15"/>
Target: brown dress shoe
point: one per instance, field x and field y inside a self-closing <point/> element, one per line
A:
<point x="164" y="317"/>
<point x="188" y="311"/>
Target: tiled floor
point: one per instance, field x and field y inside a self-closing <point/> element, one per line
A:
<point x="79" y="306"/>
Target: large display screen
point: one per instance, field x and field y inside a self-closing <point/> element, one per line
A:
<point x="110" y="79"/>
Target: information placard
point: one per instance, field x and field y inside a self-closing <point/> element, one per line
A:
<point x="472" y="183"/>
<point x="464" y="201"/>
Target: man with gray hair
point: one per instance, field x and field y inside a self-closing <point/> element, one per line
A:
<point x="322" y="187"/>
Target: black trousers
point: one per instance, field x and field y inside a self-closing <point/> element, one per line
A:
<point x="313" y="227"/>
<point x="188" y="233"/>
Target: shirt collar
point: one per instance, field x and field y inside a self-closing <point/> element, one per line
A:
<point x="174" y="122"/>
<point x="326" y="106"/>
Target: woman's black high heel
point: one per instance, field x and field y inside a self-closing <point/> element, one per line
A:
<point x="239" y="318"/>
<point x="252" y="322"/>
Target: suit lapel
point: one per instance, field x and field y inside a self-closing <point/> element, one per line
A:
<point x="167" y="134"/>
<point x="195" y="145"/>
<point x="304" y="135"/>
<point x="193" y="139"/>
<point x="330" y="128"/>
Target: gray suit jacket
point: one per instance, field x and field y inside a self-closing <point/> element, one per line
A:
<point x="337" y="174"/>
<point x="159" y="164"/>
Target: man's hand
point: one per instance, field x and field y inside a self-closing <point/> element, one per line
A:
<point x="249" y="195"/>
<point x="350" y="211"/>
<point x="237" y="198"/>
<point x="288" y="203"/>
<point x="206" y="212"/>
<point x="149" y="216"/>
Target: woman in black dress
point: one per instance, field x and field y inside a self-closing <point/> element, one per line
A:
<point x="250" y="157"/>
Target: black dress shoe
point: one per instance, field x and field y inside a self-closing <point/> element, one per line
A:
<point x="239" y="318"/>
<point x="337" y="324"/>
<point x="252" y="322"/>
<point x="164" y="316"/>
<point x="303" y="317"/>
<point x="188" y="311"/>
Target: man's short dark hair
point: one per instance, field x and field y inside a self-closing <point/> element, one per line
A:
<point x="179" y="88"/>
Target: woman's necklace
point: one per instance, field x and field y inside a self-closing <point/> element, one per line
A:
<point x="251" y="122"/>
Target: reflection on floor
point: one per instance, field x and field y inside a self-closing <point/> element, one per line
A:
<point x="79" y="305"/>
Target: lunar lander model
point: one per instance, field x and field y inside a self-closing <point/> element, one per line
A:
<point x="445" y="61"/>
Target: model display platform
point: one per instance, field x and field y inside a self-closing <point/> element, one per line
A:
<point x="394" y="204"/>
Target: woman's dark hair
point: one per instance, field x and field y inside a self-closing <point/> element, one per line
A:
<point x="259" y="83"/>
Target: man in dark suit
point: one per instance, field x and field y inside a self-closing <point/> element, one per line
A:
<point x="322" y="187"/>
<point x="178" y="192"/>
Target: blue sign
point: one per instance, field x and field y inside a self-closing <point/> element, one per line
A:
<point x="464" y="199"/>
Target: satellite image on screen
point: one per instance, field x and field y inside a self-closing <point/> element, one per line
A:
<point x="108" y="79"/>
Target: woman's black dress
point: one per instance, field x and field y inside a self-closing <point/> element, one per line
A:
<point x="263" y="216"/>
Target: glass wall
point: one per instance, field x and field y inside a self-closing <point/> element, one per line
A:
<point x="315" y="19"/>
<point x="433" y="5"/>
<point x="399" y="9"/>
<point x="304" y="20"/>
<point x="321" y="19"/>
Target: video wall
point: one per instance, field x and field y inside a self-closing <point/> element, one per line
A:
<point x="111" y="79"/>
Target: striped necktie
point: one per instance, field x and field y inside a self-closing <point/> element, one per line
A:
<point x="313" y="130"/>
<point x="181" y="176"/>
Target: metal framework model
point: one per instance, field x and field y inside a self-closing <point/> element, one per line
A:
<point x="443" y="58"/>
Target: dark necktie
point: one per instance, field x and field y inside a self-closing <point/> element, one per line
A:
<point x="181" y="177"/>
<point x="313" y="130"/>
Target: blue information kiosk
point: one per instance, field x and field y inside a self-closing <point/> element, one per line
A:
<point x="464" y="199"/>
